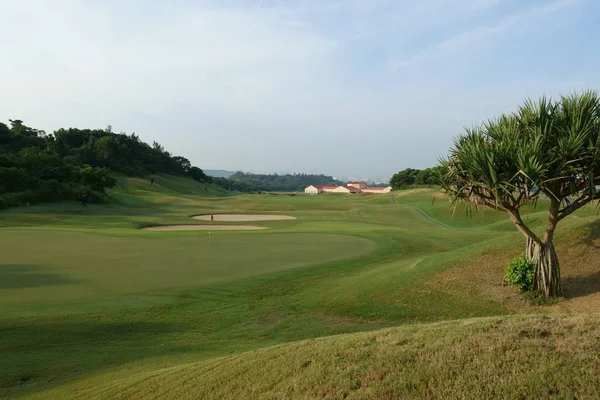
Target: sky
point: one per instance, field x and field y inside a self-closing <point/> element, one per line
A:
<point x="359" y="88"/>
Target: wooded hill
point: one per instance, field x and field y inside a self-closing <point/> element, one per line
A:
<point x="76" y="164"/>
<point x="248" y="182"/>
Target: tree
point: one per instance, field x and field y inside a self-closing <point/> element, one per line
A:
<point x="546" y="148"/>
<point x="76" y="163"/>
<point x="427" y="176"/>
<point x="404" y="178"/>
<point x="97" y="179"/>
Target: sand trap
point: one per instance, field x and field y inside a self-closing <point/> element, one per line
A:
<point x="204" y="228"/>
<point x="244" y="217"/>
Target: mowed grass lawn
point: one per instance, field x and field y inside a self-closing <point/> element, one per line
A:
<point x="86" y="297"/>
<point x="38" y="266"/>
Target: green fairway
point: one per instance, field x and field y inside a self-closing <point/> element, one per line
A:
<point x="87" y="297"/>
<point x="38" y="266"/>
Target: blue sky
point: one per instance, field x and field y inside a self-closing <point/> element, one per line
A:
<point x="349" y="88"/>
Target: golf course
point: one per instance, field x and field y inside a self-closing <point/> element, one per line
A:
<point x="336" y="296"/>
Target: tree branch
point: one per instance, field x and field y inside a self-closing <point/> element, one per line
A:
<point x="577" y="204"/>
<point x="524" y="229"/>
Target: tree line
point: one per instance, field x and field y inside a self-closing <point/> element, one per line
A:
<point x="415" y="177"/>
<point x="76" y="164"/>
<point x="248" y="182"/>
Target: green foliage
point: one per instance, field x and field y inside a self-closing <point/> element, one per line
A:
<point x="95" y="178"/>
<point x="404" y="178"/>
<point x="415" y="177"/>
<point x="76" y="164"/>
<point x="247" y="182"/>
<point x="519" y="273"/>
<point x="545" y="146"/>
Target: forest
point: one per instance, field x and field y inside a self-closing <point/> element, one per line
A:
<point x="248" y="182"/>
<point x="76" y="164"/>
<point x="410" y="177"/>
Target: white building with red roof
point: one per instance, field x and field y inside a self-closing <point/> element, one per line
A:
<point x="346" y="189"/>
<point x="316" y="189"/>
<point x="358" y="185"/>
<point x="351" y="187"/>
<point x="376" y="189"/>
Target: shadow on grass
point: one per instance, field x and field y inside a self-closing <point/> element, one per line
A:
<point x="580" y="286"/>
<point x="21" y="276"/>
<point x="46" y="353"/>
<point x="587" y="282"/>
<point x="593" y="235"/>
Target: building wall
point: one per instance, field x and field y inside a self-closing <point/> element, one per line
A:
<point x="340" y="189"/>
<point x="312" y="190"/>
<point x="358" y="185"/>
<point x="352" y="188"/>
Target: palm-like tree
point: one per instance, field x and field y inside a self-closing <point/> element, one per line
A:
<point x="546" y="147"/>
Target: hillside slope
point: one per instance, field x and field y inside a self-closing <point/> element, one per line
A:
<point x="504" y="357"/>
<point x="167" y="184"/>
<point x="125" y="305"/>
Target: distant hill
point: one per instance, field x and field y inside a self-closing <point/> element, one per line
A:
<point x="245" y="181"/>
<point x="77" y="164"/>
<point x="218" y="173"/>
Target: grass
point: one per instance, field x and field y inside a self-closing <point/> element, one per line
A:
<point x="540" y="357"/>
<point x="88" y="301"/>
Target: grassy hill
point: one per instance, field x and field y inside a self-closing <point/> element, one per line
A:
<point x="92" y="306"/>
<point x="508" y="357"/>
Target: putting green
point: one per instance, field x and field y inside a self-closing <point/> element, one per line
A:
<point x="41" y="265"/>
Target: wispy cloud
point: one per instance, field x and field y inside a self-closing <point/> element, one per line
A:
<point x="308" y="77"/>
<point x="481" y="33"/>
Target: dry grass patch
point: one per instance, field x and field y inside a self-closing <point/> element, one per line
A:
<point x="413" y="192"/>
<point x="554" y="356"/>
<point x="580" y="269"/>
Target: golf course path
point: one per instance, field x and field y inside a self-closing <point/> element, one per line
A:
<point x="422" y="214"/>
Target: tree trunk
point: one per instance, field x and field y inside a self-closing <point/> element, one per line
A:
<point x="546" y="270"/>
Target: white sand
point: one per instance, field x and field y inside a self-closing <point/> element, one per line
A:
<point x="244" y="217"/>
<point x="203" y="228"/>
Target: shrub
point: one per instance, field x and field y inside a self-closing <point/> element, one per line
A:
<point x="86" y="195"/>
<point x="519" y="273"/>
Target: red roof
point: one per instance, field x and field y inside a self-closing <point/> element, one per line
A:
<point x="325" y="186"/>
<point x="351" y="188"/>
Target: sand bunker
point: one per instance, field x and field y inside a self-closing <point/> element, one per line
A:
<point x="244" y="217"/>
<point x="204" y="228"/>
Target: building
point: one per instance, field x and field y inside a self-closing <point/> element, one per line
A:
<point x="327" y="188"/>
<point x="351" y="187"/>
<point x="346" y="189"/>
<point x="316" y="189"/>
<point x="312" y="189"/>
<point x="376" y="189"/>
<point x="359" y="185"/>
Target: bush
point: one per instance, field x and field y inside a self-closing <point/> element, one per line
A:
<point x="519" y="273"/>
<point x="86" y="195"/>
